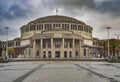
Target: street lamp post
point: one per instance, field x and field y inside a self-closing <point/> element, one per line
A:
<point x="118" y="43"/>
<point x="108" y="28"/>
<point x="6" y="54"/>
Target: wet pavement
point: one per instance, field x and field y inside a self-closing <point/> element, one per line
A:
<point x="60" y="71"/>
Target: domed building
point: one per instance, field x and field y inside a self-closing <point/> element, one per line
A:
<point x="56" y="37"/>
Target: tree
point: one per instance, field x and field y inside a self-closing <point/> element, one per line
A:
<point x="11" y="51"/>
<point x="103" y="46"/>
<point x="113" y="46"/>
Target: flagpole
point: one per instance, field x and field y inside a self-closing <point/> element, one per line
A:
<point x="56" y="11"/>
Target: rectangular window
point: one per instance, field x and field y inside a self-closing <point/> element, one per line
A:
<point x="57" y="44"/>
<point x="71" y="45"/>
<point x="44" y="44"/>
<point x="59" y="25"/>
<point x="49" y="44"/>
<point x="53" y="25"/>
<point x="42" y="27"/>
<point x="65" y="44"/>
<point x="75" y="27"/>
<point x="84" y="52"/>
<point x="79" y="27"/>
<point x="71" y="27"/>
<point x="82" y="28"/>
<point x="29" y="51"/>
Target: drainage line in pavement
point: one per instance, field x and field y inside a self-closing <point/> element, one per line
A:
<point x="100" y="75"/>
<point x="21" y="78"/>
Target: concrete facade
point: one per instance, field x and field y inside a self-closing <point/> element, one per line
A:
<point x="56" y="37"/>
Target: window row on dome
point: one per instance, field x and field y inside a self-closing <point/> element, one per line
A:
<point x="54" y="26"/>
<point x="58" y="21"/>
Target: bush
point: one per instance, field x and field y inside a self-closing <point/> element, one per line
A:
<point x="11" y="51"/>
<point x="1" y="60"/>
<point x="116" y="59"/>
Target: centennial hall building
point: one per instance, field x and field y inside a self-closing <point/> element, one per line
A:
<point x="56" y="36"/>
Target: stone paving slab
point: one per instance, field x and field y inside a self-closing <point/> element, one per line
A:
<point x="63" y="73"/>
<point x="109" y="70"/>
<point x="59" y="71"/>
<point x="11" y="71"/>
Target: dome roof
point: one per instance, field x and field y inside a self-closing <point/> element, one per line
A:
<point x="57" y="17"/>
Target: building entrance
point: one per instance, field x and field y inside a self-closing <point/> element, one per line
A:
<point x="57" y="54"/>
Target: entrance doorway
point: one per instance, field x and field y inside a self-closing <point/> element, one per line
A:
<point x="37" y="52"/>
<point x="65" y="54"/>
<point x="57" y="54"/>
<point x="44" y="54"/>
<point x="70" y="54"/>
<point x="84" y="52"/>
<point x="49" y="54"/>
<point x="76" y="53"/>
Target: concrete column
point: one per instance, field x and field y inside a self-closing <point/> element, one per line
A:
<point x="80" y="47"/>
<point x="62" y="51"/>
<point x="29" y="28"/>
<point x="88" y="52"/>
<point x="41" y="48"/>
<point x="34" y="48"/>
<point x="27" y="52"/>
<point x="73" y="49"/>
<point x="52" y="49"/>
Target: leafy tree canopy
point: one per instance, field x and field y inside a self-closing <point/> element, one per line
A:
<point x="11" y="51"/>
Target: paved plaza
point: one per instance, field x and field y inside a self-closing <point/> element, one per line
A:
<point x="59" y="71"/>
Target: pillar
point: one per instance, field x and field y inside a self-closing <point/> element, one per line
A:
<point x="34" y="48"/>
<point x="52" y="49"/>
<point x="62" y="50"/>
<point x="80" y="47"/>
<point x="73" y="49"/>
<point x="41" y="48"/>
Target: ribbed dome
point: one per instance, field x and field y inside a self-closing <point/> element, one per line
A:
<point x="58" y="18"/>
<point x="55" y="23"/>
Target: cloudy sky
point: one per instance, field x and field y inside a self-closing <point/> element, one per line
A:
<point x="97" y="13"/>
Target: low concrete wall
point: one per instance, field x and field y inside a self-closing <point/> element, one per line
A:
<point x="116" y="59"/>
<point x="57" y="59"/>
<point x="1" y="60"/>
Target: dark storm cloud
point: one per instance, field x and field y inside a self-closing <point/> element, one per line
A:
<point x="74" y="7"/>
<point x="13" y="9"/>
<point x="15" y="13"/>
<point x="18" y="11"/>
<point x="96" y="13"/>
<point x="75" y="3"/>
<point x="2" y="31"/>
<point x="103" y="6"/>
<point x="110" y="6"/>
<point x="24" y="8"/>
